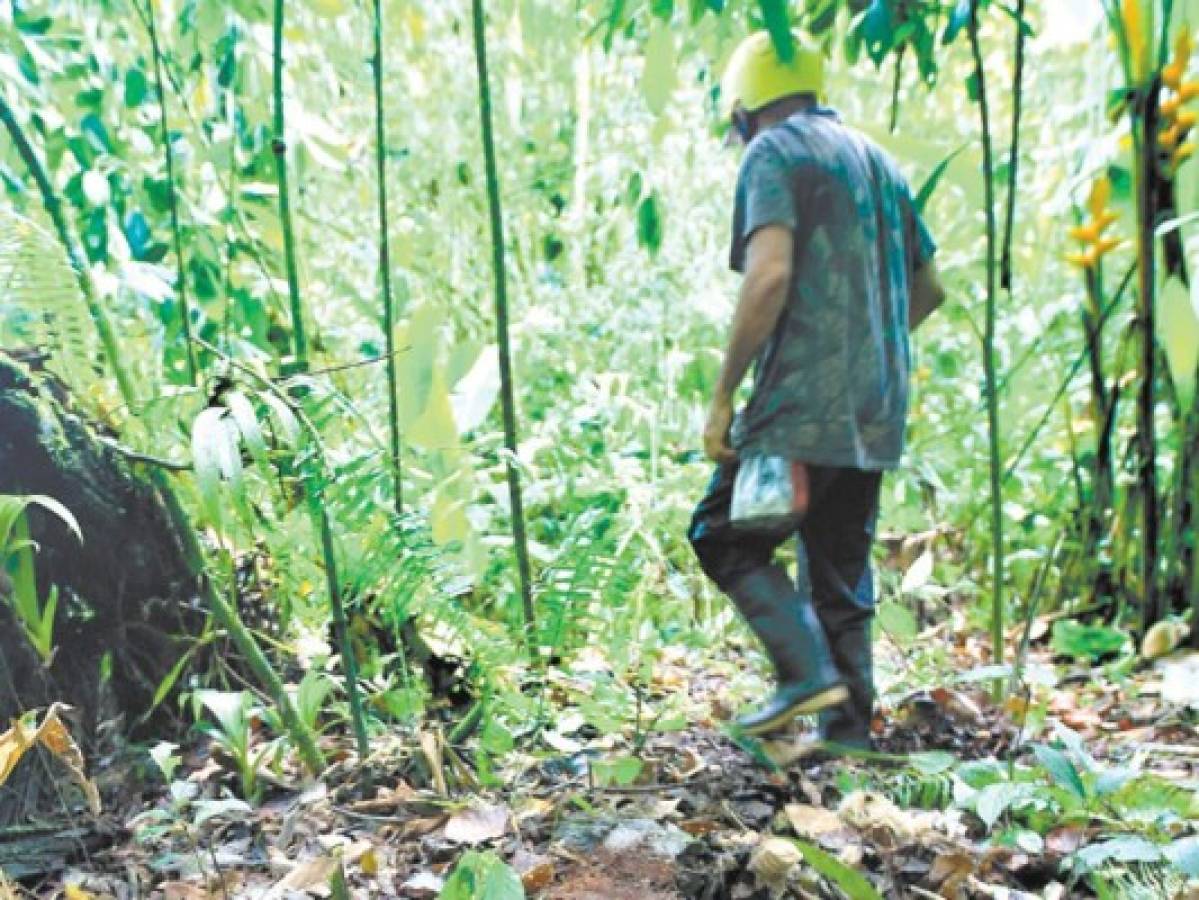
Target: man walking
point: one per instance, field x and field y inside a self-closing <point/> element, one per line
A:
<point x="837" y="269"/>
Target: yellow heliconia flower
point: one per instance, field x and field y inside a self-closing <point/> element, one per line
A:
<point x="1090" y="233"/>
<point x="1186" y="120"/>
<point x="1101" y="195"/>
<point x="1168" y="138"/>
<point x="1172" y="76"/>
<point x="1183" y="153"/>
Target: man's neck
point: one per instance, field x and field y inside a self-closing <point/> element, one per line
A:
<point x="784" y="109"/>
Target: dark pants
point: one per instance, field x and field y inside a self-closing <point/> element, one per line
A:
<point x="834" y="541"/>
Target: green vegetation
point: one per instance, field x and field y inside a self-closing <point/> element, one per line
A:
<point x="410" y="311"/>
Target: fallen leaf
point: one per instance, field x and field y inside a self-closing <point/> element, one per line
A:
<point x="431" y="749"/>
<point x="477" y="824"/>
<point x="307" y="874"/>
<point x="422" y="886"/>
<point x="535" y="871"/>
<point x="950" y="871"/>
<point x="369" y="863"/>
<point x="183" y="890"/>
<point x="815" y="822"/>
<point x="878" y="819"/>
<point x="773" y="860"/>
<point x="415" y="828"/>
<point x="53" y="735"/>
<point x="700" y="827"/>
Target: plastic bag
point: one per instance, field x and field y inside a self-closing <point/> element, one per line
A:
<point x="769" y="493"/>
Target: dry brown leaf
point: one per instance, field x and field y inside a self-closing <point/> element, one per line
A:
<point x="477" y="824"/>
<point x="773" y="860"/>
<point x="539" y="877"/>
<point x="950" y="871"/>
<point x="431" y="748"/>
<point x="53" y="735"/>
<point x="878" y="819"/>
<point x="700" y="827"/>
<point x="415" y="828"/>
<point x="308" y="874"/>
<point x="533" y="808"/>
<point x="821" y="825"/>
<point x="184" y="890"/>
<point x="536" y="871"/>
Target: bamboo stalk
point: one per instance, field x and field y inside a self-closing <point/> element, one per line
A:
<point x="349" y="661"/>
<point x="393" y="407"/>
<point x="279" y="149"/>
<point x="1009" y="227"/>
<point x="193" y="368"/>
<point x="501" y="323"/>
<point x="225" y="614"/>
<point x="1144" y="124"/>
<point x="989" y="354"/>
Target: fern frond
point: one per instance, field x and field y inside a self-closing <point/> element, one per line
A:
<point x="41" y="307"/>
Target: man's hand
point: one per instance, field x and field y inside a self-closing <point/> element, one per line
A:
<point x="927" y="294"/>
<point x="716" y="431"/>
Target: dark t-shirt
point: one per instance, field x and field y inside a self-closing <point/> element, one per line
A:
<point x="831" y="385"/>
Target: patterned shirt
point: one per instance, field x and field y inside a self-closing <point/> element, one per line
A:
<point x="831" y="384"/>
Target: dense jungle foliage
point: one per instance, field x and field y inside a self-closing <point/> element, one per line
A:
<point x="418" y="363"/>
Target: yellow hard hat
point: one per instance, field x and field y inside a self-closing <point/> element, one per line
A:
<point x="755" y="76"/>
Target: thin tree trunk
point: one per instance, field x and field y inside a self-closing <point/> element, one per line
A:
<point x="1009" y="227"/>
<point x="393" y="408"/>
<point x="185" y="315"/>
<point x="1145" y="116"/>
<point x="279" y="148"/>
<point x="989" y="352"/>
<point x="501" y="323"/>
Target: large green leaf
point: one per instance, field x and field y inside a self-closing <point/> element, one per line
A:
<point x="934" y="178"/>
<point x="777" y="18"/>
<point x="482" y="876"/>
<point x="855" y="885"/>
<point x="1061" y="770"/>
<point x="649" y="224"/>
<point x="1178" y="331"/>
<point x="660" y="76"/>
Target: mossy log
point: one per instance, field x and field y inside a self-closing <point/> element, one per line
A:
<point x="128" y="595"/>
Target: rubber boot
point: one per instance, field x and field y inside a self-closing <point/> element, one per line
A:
<point x="849" y="724"/>
<point x="786" y="624"/>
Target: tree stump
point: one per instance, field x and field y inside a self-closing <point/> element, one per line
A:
<point x="128" y="595"/>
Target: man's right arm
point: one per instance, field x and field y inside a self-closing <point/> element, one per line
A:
<point x="927" y="294"/>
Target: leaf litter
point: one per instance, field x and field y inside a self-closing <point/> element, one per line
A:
<point x="685" y="813"/>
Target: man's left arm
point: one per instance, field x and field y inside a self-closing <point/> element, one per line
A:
<point x="768" y="270"/>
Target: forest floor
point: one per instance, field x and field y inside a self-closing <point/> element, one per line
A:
<point x="699" y="815"/>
